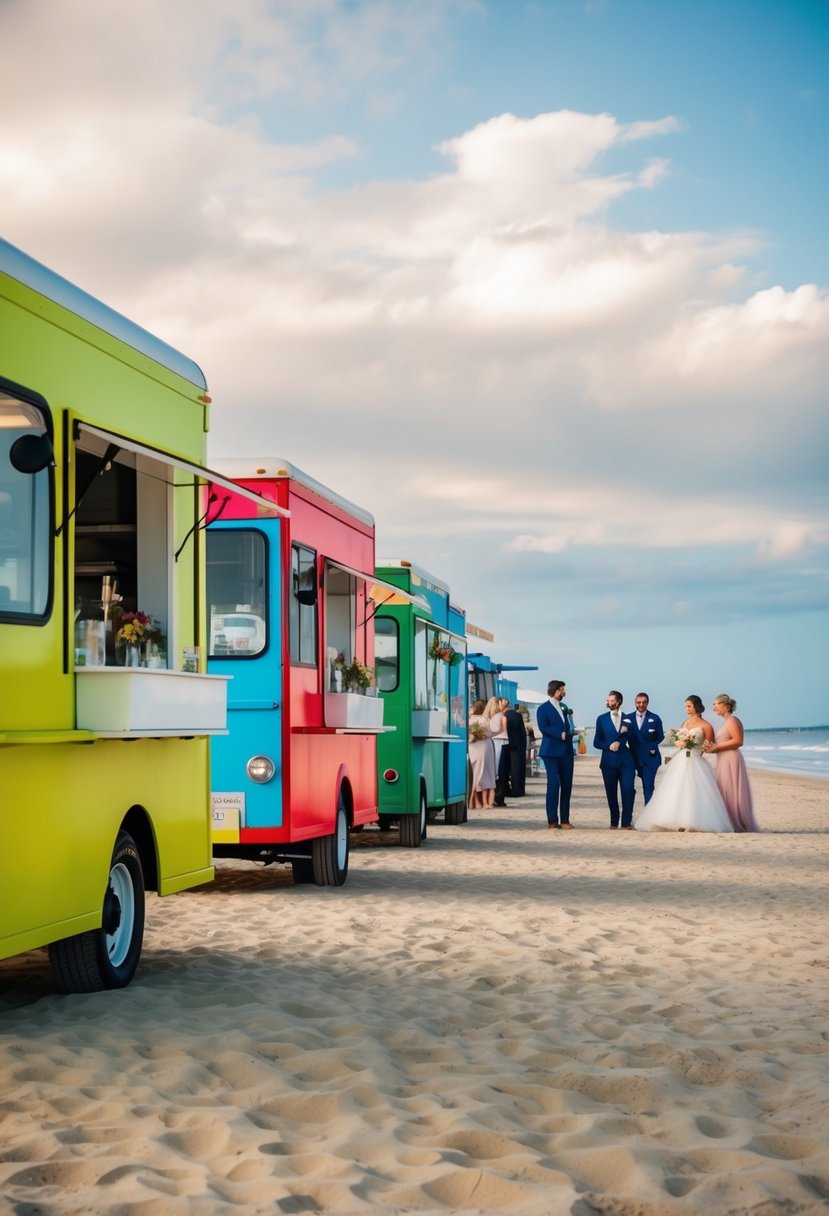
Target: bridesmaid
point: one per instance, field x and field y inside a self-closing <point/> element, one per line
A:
<point x="731" y="774"/>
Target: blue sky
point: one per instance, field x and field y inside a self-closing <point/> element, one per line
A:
<point x="543" y="286"/>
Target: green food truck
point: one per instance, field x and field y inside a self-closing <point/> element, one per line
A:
<point x="420" y="668"/>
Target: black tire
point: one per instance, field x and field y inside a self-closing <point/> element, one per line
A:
<point x="330" y="853"/>
<point x="302" y="869"/>
<point x="413" y="827"/>
<point x="107" y="957"/>
<point x="455" y="813"/>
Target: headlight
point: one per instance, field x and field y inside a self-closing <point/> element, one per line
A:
<point x="260" y="768"/>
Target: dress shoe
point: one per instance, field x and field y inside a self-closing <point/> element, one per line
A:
<point x="614" y="827"/>
<point x="552" y="825"/>
<point x="627" y="827"/>
<point x="566" y="827"/>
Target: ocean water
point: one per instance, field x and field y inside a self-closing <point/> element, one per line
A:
<point x="803" y="749"/>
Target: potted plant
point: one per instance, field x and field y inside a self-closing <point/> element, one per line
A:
<point x="349" y="706"/>
<point x="354" y="676"/>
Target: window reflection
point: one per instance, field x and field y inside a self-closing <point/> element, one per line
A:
<point x="25" y="532"/>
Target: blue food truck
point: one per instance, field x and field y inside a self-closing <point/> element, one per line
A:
<point x="485" y="677"/>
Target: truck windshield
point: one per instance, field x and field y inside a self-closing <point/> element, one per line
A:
<point x="237" y="593"/>
<point x="25" y="531"/>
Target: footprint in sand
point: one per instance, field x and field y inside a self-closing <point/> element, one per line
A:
<point x="677" y="1187"/>
<point x="711" y="1128"/>
<point x="786" y="1148"/>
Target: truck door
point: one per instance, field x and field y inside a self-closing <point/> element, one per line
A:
<point x="245" y="642"/>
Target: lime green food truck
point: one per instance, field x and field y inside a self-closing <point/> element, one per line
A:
<point x="105" y="709"/>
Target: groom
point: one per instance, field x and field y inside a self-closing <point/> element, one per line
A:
<point x="646" y="733"/>
<point x="556" y="725"/>
<point x="612" y="738"/>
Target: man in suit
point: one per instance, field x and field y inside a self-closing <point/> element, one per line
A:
<point x="612" y="738"/>
<point x="646" y="733"/>
<point x="515" y="752"/>
<point x="556" y="725"/>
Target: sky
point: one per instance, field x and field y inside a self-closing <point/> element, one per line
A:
<point x="541" y="285"/>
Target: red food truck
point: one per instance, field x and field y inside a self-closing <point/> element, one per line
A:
<point x="291" y="602"/>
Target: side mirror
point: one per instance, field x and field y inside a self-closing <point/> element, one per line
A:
<point x="32" y="453"/>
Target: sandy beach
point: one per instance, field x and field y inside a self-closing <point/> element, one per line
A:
<point x="507" y="1018"/>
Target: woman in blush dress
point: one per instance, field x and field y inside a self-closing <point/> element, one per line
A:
<point x="731" y="774"/>
<point x="495" y="711"/>
<point x="687" y="798"/>
<point x="481" y="760"/>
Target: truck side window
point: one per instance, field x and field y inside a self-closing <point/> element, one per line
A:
<point x="25" y="516"/>
<point x="303" y="607"/>
<point x="387" y="653"/>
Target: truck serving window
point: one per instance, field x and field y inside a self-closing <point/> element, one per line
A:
<point x="25" y="512"/>
<point x="237" y="590"/>
<point x="386" y="653"/>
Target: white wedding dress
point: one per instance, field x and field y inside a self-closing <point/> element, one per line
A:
<point x="686" y="797"/>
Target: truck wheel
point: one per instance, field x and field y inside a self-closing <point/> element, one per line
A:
<point x="455" y="813"/>
<point x="413" y="827"/>
<point x="330" y="853"/>
<point x="107" y="957"/>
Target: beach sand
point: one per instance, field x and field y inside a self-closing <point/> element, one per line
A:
<point x="505" y="1019"/>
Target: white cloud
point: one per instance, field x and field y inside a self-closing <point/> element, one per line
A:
<point x="480" y="355"/>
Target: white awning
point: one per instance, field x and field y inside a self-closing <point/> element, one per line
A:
<point x="382" y="592"/>
<point x="265" y="507"/>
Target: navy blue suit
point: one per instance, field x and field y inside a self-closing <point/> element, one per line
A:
<point x="644" y="744"/>
<point x="557" y="753"/>
<point x="618" y="767"/>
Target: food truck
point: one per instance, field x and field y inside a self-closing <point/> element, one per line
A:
<point x="485" y="677"/>
<point x="291" y="602"/>
<point x="104" y="737"/>
<point x="420" y="652"/>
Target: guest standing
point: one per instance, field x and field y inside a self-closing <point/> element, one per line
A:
<point x="556" y="726"/>
<point x="481" y="759"/>
<point x="516" y="753"/>
<point x="731" y="773"/>
<point x="495" y="710"/>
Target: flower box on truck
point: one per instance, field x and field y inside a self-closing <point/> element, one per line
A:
<point x="420" y="650"/>
<point x="298" y="768"/>
<point x="103" y="764"/>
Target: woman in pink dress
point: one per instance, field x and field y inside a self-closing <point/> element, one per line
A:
<point x="732" y="775"/>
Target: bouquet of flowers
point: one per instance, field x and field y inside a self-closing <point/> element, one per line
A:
<point x="477" y="733"/>
<point x="440" y="649"/>
<point x="683" y="738"/>
<point x="137" y="627"/>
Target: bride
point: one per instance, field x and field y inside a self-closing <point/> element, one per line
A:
<point x="687" y="798"/>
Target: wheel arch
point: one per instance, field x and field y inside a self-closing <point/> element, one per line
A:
<point x="344" y="788"/>
<point x="139" y="825"/>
